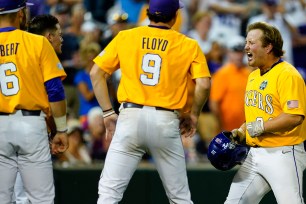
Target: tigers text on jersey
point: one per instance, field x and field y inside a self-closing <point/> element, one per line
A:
<point x="280" y="90"/>
<point x="154" y="64"/>
<point x="26" y="62"/>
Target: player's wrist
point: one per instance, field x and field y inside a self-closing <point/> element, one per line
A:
<point x="109" y="113"/>
<point x="241" y="131"/>
<point x="108" y="110"/>
<point x="61" y="124"/>
<point x="62" y="131"/>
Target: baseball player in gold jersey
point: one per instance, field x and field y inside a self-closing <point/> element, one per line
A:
<point x="48" y="26"/>
<point x="31" y="87"/>
<point x="154" y="61"/>
<point x="275" y="108"/>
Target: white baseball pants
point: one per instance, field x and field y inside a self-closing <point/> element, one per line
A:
<point x="24" y="147"/>
<point x="139" y="130"/>
<point x="280" y="169"/>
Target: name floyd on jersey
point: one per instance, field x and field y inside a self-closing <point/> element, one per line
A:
<point x="154" y="44"/>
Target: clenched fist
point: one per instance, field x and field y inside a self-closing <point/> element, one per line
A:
<point x="255" y="128"/>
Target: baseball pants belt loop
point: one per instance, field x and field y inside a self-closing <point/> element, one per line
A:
<point x="24" y="112"/>
<point x="134" y="105"/>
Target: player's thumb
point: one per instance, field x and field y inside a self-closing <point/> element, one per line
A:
<point x="238" y="135"/>
<point x="234" y="133"/>
<point x="63" y="146"/>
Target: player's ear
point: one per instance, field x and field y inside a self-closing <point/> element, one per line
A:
<point x="49" y="36"/>
<point x="21" y="13"/>
<point x="269" y="48"/>
<point x="22" y="18"/>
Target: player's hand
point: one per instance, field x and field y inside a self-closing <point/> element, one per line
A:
<point x="238" y="135"/>
<point x="188" y="125"/>
<point x="51" y="127"/>
<point x="59" y="143"/>
<point x="255" y="128"/>
<point x="110" y="125"/>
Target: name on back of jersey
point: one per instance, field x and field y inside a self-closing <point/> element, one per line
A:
<point x="8" y="49"/>
<point x="154" y="44"/>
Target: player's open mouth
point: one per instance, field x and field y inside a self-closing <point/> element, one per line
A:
<point x="250" y="56"/>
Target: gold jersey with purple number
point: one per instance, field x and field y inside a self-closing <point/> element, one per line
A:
<point x="154" y="64"/>
<point x="26" y="62"/>
<point x="280" y="90"/>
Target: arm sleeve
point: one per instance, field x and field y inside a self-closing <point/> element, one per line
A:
<point x="55" y="89"/>
<point x="199" y="66"/>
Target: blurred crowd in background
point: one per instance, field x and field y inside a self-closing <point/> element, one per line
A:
<point x="217" y="25"/>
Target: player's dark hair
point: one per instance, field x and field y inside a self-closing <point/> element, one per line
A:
<point x="42" y="23"/>
<point x="271" y="35"/>
<point x="160" y="18"/>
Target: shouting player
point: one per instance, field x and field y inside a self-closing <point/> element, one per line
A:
<point x="275" y="126"/>
<point x="154" y="61"/>
<point x="31" y="88"/>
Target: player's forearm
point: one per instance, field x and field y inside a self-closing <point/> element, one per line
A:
<point x="58" y="108"/>
<point x="201" y="94"/>
<point x="284" y="122"/>
<point x="98" y="79"/>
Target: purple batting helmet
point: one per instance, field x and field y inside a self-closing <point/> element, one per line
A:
<point x="224" y="154"/>
<point x="12" y="6"/>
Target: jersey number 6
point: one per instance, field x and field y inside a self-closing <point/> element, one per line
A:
<point x="9" y="83"/>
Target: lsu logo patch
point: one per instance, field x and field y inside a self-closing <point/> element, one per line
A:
<point x="263" y="85"/>
<point x="60" y="66"/>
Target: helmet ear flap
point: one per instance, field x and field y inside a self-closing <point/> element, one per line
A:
<point x="224" y="154"/>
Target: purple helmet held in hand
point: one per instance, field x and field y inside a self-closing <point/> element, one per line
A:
<point x="224" y="154"/>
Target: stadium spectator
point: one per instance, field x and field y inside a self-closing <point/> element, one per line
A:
<point x="82" y="81"/>
<point x="270" y="14"/>
<point x="99" y="9"/>
<point x="228" y="87"/>
<point x="98" y="144"/>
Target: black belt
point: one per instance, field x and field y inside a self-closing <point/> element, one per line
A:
<point x="25" y="112"/>
<point x="134" y="105"/>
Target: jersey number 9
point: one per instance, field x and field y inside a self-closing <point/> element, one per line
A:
<point x="151" y="65"/>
